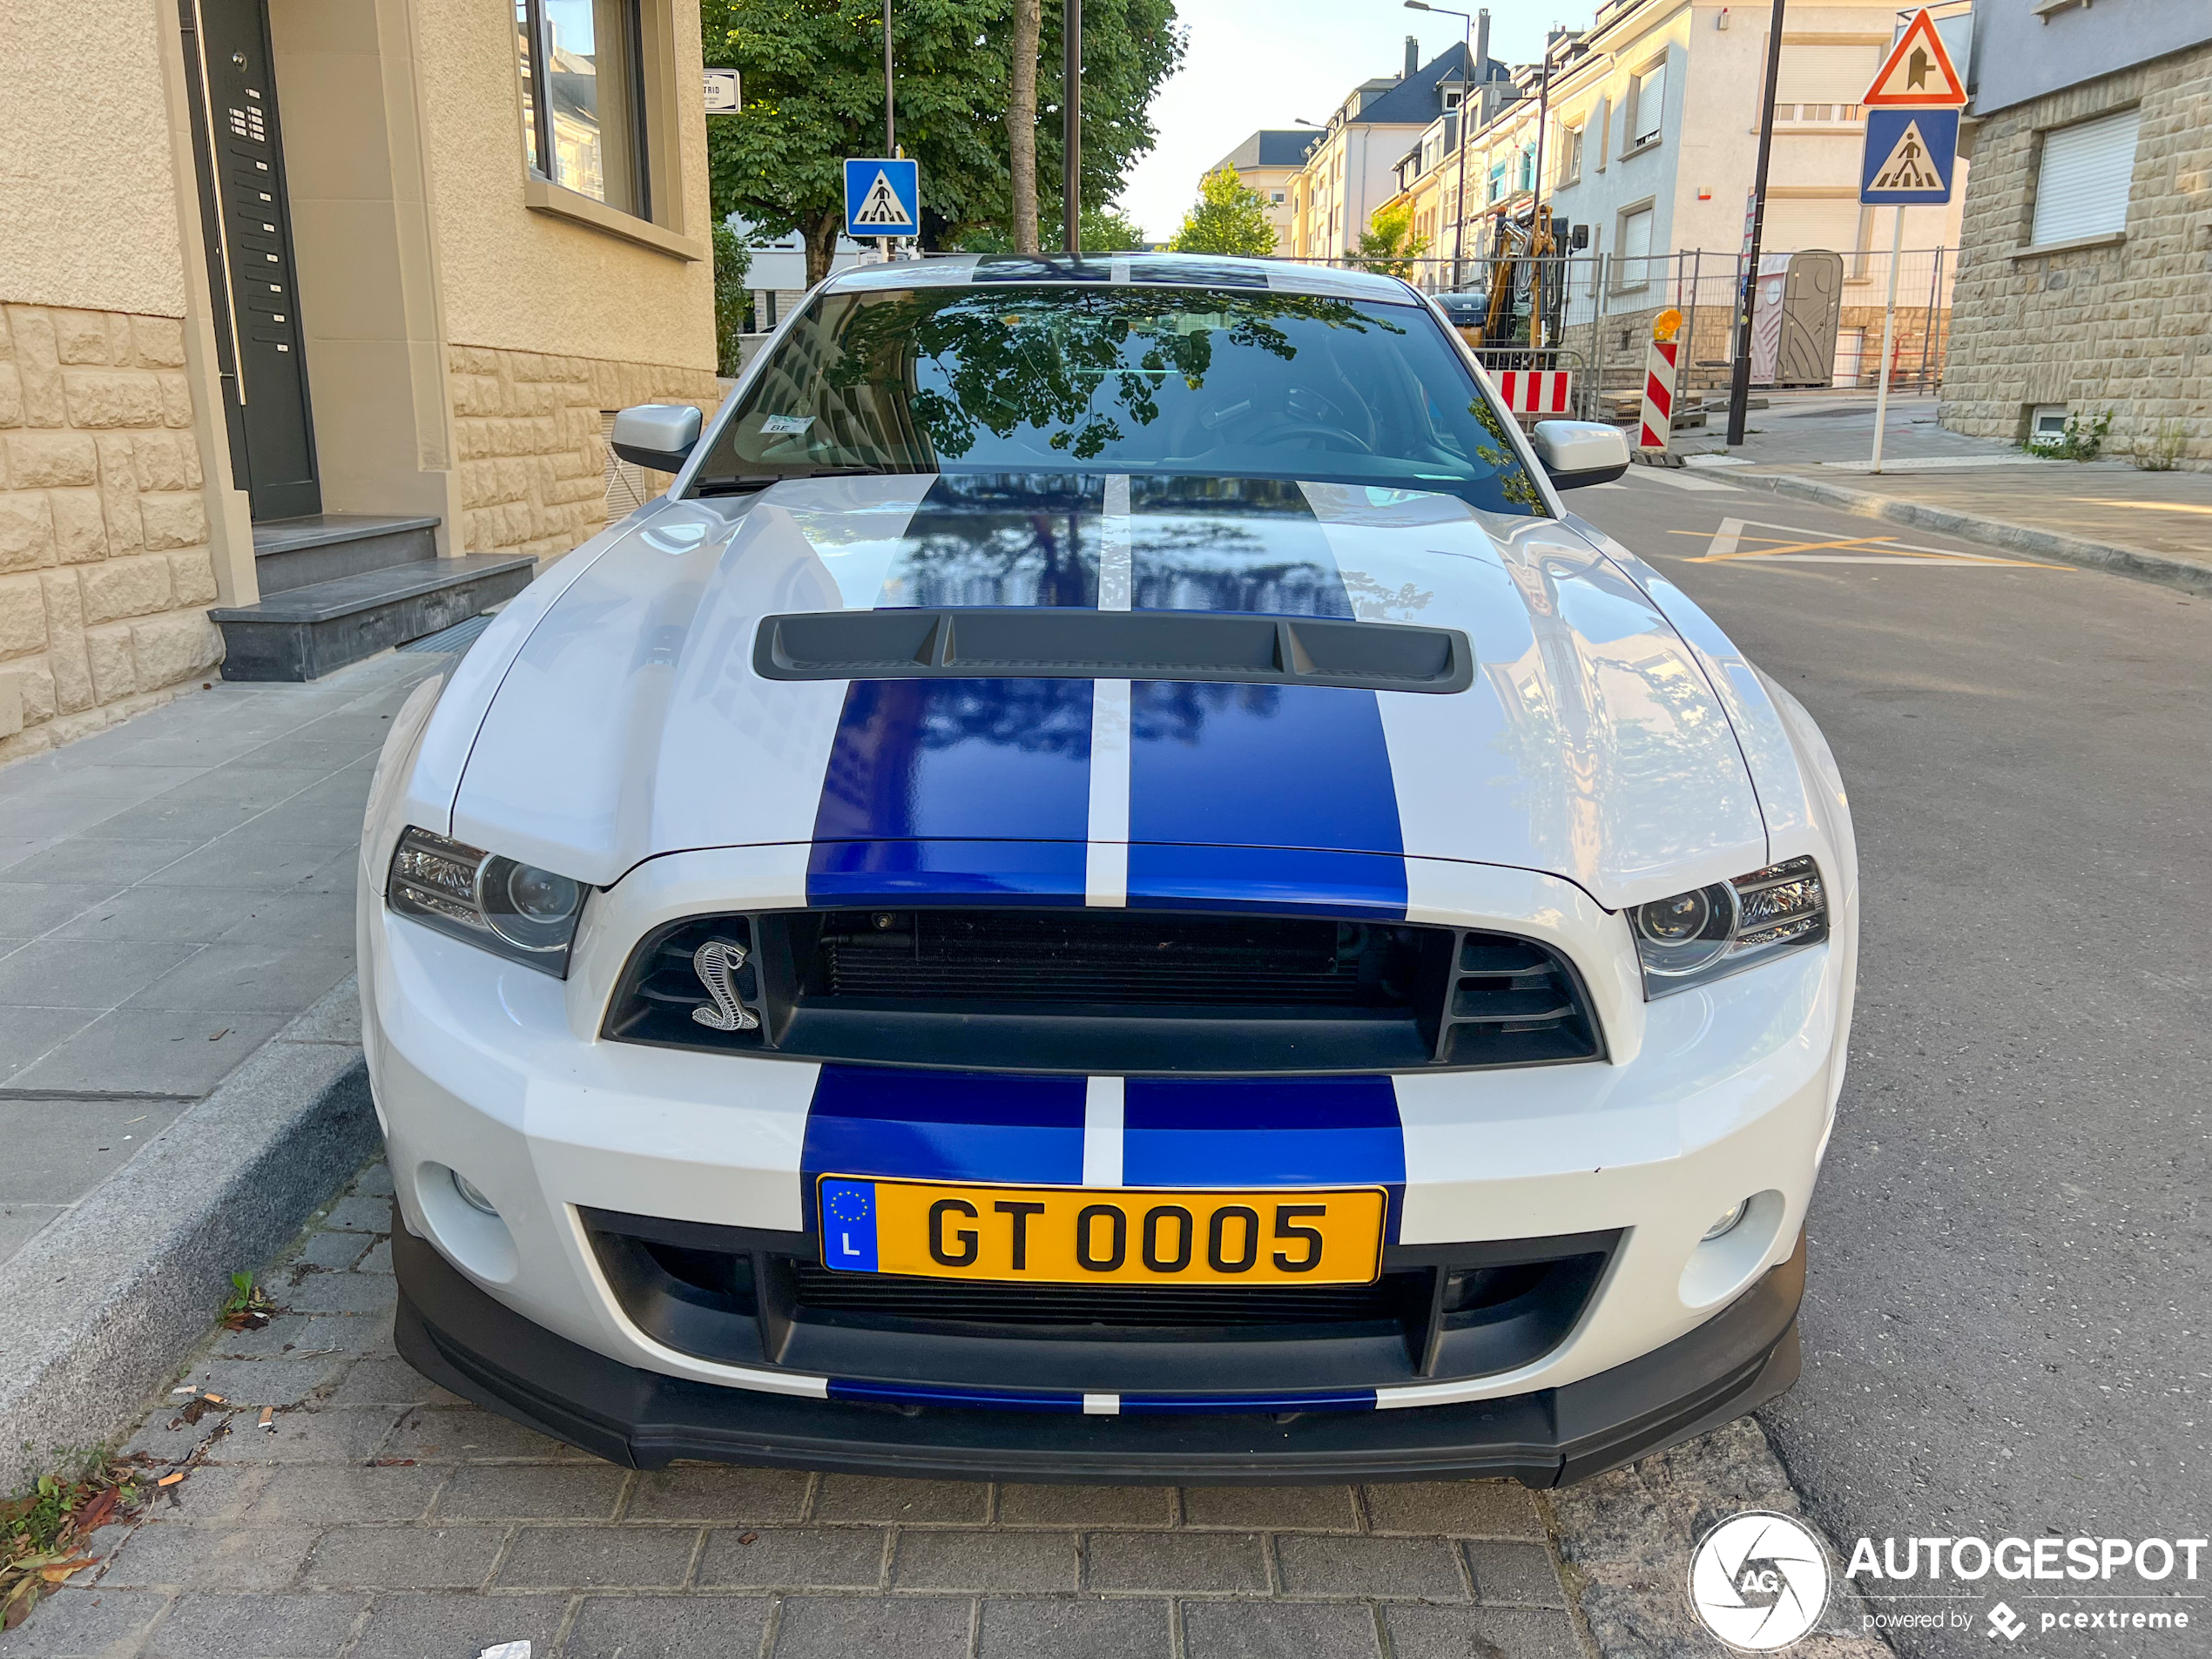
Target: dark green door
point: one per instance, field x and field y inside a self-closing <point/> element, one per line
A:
<point x="250" y="261"/>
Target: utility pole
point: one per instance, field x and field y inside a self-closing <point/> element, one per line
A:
<point x="890" y="122"/>
<point x="1739" y="388"/>
<point x="1071" y="115"/>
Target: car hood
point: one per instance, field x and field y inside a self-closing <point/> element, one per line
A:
<point x="631" y="720"/>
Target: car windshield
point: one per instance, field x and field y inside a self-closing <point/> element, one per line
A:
<point x="1122" y="379"/>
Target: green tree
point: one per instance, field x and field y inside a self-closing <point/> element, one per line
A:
<point x="814" y="86"/>
<point x="1388" y="245"/>
<point x="1104" y="230"/>
<point x="1228" y="217"/>
<point x="732" y="300"/>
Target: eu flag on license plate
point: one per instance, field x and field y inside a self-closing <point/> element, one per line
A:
<point x="848" y="1225"/>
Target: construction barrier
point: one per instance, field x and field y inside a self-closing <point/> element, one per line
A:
<point x="1657" y="419"/>
<point x="1536" y="391"/>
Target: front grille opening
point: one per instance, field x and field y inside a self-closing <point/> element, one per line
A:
<point x="745" y="1296"/>
<point x="996" y="989"/>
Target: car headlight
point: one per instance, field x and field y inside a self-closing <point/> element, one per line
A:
<point x="514" y="909"/>
<point x="1697" y="936"/>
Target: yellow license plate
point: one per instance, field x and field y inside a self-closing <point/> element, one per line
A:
<point x="1090" y="1235"/>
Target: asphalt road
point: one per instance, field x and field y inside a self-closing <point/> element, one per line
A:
<point x="2006" y="1332"/>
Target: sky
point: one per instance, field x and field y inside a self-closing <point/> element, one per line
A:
<point x="1251" y="64"/>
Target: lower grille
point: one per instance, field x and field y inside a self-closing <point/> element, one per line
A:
<point x="994" y="988"/>
<point x="1163" y="1309"/>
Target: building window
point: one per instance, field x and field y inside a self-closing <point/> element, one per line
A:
<point x="1570" y="155"/>
<point x="2082" y="181"/>
<point x="1632" y="265"/>
<point x="1497" y="182"/>
<point x="1647" y="106"/>
<point x="583" y="103"/>
<point x="1276" y="197"/>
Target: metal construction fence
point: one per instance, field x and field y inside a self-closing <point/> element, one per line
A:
<point x="1597" y="311"/>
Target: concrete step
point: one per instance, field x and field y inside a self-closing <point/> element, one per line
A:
<point x="291" y="553"/>
<point x="303" y="633"/>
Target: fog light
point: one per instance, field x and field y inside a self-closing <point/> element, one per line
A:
<point x="1725" y="1224"/>
<point x="473" y="1197"/>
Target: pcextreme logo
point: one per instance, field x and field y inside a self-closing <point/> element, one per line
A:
<point x="1759" y="1580"/>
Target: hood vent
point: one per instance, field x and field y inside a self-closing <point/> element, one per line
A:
<point x="1039" y="643"/>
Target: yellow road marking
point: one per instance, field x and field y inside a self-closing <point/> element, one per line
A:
<point x="2144" y="506"/>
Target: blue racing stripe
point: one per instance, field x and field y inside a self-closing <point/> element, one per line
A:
<point x="1341" y="1400"/>
<point x="904" y="873"/>
<point x="974" y="1398"/>
<point x="944" y="1126"/>
<point x="1261" y="1132"/>
<point x="1297" y="881"/>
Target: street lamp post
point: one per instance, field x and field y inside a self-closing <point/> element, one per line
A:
<point x="890" y="122"/>
<point x="1473" y="68"/>
<point x="1071" y="115"/>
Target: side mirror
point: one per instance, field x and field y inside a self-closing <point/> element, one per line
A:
<point x="659" y="436"/>
<point x="1576" y="453"/>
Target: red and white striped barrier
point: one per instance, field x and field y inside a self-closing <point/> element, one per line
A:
<point x="1536" y="391"/>
<point x="1658" y="394"/>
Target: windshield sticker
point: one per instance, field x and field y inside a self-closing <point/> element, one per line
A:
<point x="785" y="425"/>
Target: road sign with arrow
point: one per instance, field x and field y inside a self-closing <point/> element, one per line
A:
<point x="1917" y="72"/>
<point x="882" y="197"/>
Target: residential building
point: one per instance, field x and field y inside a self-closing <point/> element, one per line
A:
<point x="1266" y="163"/>
<point x="2086" y="279"/>
<point x="777" y="275"/>
<point x="1648" y="152"/>
<point x="1352" y="170"/>
<point x="296" y="290"/>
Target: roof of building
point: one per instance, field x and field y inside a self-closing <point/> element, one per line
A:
<point x="1414" y="99"/>
<point x="1271" y="147"/>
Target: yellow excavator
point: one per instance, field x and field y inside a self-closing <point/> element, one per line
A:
<point x="1515" y="243"/>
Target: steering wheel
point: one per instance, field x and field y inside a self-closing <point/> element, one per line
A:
<point x="1331" y="436"/>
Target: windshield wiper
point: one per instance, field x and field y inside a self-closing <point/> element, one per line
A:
<point x="747" y="483"/>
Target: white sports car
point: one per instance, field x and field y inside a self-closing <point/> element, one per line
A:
<point x="1108" y="887"/>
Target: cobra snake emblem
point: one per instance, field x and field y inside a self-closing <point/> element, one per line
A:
<point x="717" y="963"/>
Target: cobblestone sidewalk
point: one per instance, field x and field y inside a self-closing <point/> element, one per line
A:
<point x="384" y="1518"/>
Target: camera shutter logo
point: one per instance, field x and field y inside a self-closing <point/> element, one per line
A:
<point x="1759" y="1581"/>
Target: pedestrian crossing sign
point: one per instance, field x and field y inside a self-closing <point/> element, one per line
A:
<point x="882" y="197"/>
<point x="1910" y="157"/>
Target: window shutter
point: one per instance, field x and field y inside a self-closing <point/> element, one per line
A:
<point x="1824" y="74"/>
<point x="1651" y="104"/>
<point x="2082" y="189"/>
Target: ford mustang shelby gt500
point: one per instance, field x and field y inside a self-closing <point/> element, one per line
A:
<point x="1107" y="886"/>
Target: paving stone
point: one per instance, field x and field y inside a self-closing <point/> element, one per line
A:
<point x="673" y="1627"/>
<point x="359" y="1212"/>
<point x="378" y="1259"/>
<point x="717" y="1493"/>
<point x="354" y="1334"/>
<point x="1279" y="1630"/>
<point x="1425" y="1567"/>
<point x="1275" y="1508"/>
<point x="405" y="1558"/>
<point x="332" y="1250"/>
<point x="374" y="1382"/>
<point x="1117" y="1630"/>
<point x="984" y="1561"/>
<point x="1086" y="1507"/>
<point x="1482" y="1633"/>
<point x="83" y="1621"/>
<point x="58" y="1150"/>
<point x="599" y="1557"/>
<point x="347" y="1496"/>
<point x="28" y="1034"/>
<point x="337" y="1293"/>
<point x="178" y="915"/>
<point x="166" y="1438"/>
<point x="85" y="973"/>
<point x="187" y="1555"/>
<point x="907" y="1503"/>
<point x="332" y="1434"/>
<point x="265" y="1627"/>
<point x="823" y="1558"/>
<point x="1199" y="1562"/>
<point x="1514" y="1574"/>
<point x="268" y="1382"/>
<point x="532" y="1492"/>
<point x="446" y="1625"/>
<point x="285" y="1331"/>
<point x="462" y="1434"/>
<point x="245" y="861"/>
<point x="152" y="1051"/>
<point x="30" y="908"/>
<point x="1462" y="1508"/>
<point x="209" y="1493"/>
<point x="110" y="863"/>
<point x="838" y="1627"/>
<point x="375" y="1182"/>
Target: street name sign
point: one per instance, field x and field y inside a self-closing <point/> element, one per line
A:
<point x="1911" y="158"/>
<point x="1917" y="72"/>
<point x="882" y="197"/>
<point x="723" y="96"/>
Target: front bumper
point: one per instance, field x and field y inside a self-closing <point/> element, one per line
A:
<point x="471" y="1343"/>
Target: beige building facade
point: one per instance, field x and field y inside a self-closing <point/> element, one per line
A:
<point x="276" y="267"/>
<point x="1266" y="163"/>
<point x="2088" y="286"/>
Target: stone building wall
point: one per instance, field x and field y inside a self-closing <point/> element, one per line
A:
<point x="106" y="574"/>
<point x="526" y="439"/>
<point x="2122" y="326"/>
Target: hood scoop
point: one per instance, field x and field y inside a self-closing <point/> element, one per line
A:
<point x="1036" y="642"/>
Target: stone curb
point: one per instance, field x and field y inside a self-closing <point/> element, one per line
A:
<point x="98" y="1309"/>
<point x="2188" y="575"/>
